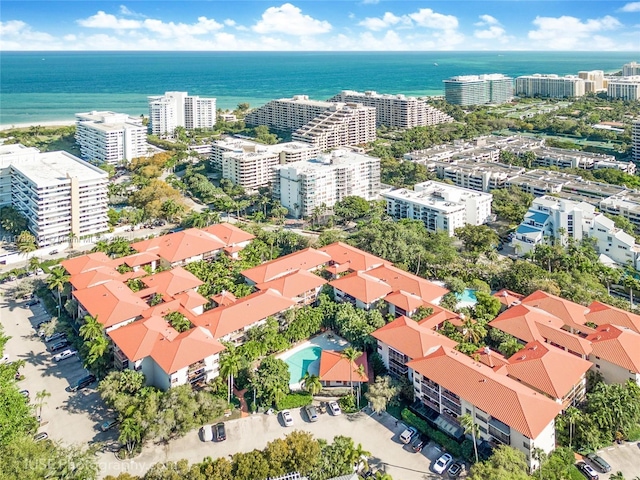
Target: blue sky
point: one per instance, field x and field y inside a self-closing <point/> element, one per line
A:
<point x="320" y="25"/>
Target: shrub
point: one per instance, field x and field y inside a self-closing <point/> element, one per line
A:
<point x="348" y="404"/>
<point x="437" y="436"/>
<point x="294" y="400"/>
<point x="633" y="435"/>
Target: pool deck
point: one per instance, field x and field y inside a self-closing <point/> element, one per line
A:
<point x="326" y="341"/>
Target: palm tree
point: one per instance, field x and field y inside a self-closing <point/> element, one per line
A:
<point x="466" y="421"/>
<point x="540" y="456"/>
<point x="472" y="331"/>
<point x="26" y="243"/>
<point x="99" y="346"/>
<point x="617" y="476"/>
<point x="34" y="264"/>
<point x="40" y="396"/>
<point x="351" y="354"/>
<point x="361" y="455"/>
<point x="130" y="433"/>
<point x="230" y="366"/>
<point x="571" y="415"/>
<point x="57" y="280"/>
<point x="91" y="328"/>
<point x="312" y="384"/>
<point x="361" y="374"/>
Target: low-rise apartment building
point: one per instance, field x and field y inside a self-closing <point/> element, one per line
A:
<point x="108" y="137"/>
<point x="301" y="187"/>
<point x="61" y="196"/>
<point x="440" y="206"/>
<point x="398" y="111"/>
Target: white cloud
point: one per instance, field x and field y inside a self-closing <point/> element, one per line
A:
<point x="387" y="20"/>
<point x="425" y="17"/>
<point x="492" y="32"/>
<point x="631" y="7"/>
<point x="124" y="10"/>
<point x="487" y="20"/>
<point x="203" y="26"/>
<point x="289" y="19"/>
<point x="230" y="23"/>
<point x="370" y="2"/>
<point x="566" y="32"/>
<point x="16" y="35"/>
<point x="106" y="20"/>
<point x="493" y="29"/>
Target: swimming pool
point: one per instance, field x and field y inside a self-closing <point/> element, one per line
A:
<point x="299" y="362"/>
<point x="468" y="296"/>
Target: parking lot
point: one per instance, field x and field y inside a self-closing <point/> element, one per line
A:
<point x="71" y="418"/>
<point x="623" y="458"/>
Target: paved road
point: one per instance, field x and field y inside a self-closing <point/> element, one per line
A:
<point x="623" y="458"/>
<point x="377" y="434"/>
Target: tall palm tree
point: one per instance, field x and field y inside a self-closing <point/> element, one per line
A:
<point x="312" y="384"/>
<point x="26" y="243"/>
<point x="34" y="264"/>
<point x="57" y="280"/>
<point x="361" y="456"/>
<point x="351" y="354"/>
<point x="130" y="433"/>
<point x="472" y="331"/>
<point x="361" y="374"/>
<point x="572" y="414"/>
<point x="230" y="366"/>
<point x="91" y="328"/>
<point x="99" y="346"/>
<point x="466" y="421"/>
<point x="40" y="396"/>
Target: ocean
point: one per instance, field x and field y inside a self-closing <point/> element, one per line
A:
<point x="53" y="86"/>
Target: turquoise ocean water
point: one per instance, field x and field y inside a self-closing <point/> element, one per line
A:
<point x="48" y="86"/>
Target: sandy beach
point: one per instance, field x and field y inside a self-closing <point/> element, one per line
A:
<point x="55" y="123"/>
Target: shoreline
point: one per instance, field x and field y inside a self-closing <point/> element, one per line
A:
<point x="52" y="123"/>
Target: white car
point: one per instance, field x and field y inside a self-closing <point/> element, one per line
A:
<point x="287" y="418"/>
<point x="68" y="353"/>
<point x="442" y="463"/>
<point x="335" y="408"/>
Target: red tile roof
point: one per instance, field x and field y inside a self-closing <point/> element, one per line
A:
<point x="335" y="368"/>
<point x="191" y="299"/>
<point x="572" y="342"/>
<point x="174" y="281"/>
<point x="111" y="303"/>
<point x="246" y="311"/>
<point x="501" y="397"/>
<point x="138" y="259"/>
<point x="224" y="298"/>
<point x="229" y="234"/>
<point x="85" y="263"/>
<point x="408" y="337"/>
<point x="93" y="277"/>
<point x="572" y="314"/>
<point x="490" y="358"/>
<point x="602" y="314"/>
<point x="179" y="246"/>
<point x="507" y="297"/>
<point x="307" y="259"/>
<point x="439" y="316"/>
<point x="617" y="345"/>
<point x="405" y="300"/>
<point x="400" y="280"/>
<point x="352" y="258"/>
<point x="294" y="284"/>
<point x="362" y="286"/>
<point x="522" y="322"/>
<point x="186" y="349"/>
<point x="137" y="339"/>
<point x="547" y="369"/>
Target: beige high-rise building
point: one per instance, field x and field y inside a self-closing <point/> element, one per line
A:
<point x="397" y="111"/>
<point x="287" y="113"/>
<point x="61" y="195"/>
<point x="550" y="86"/>
<point x="594" y="80"/>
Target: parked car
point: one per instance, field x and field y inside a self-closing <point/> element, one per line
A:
<point x="407" y="435"/>
<point x="24" y="393"/>
<point x="312" y="413"/>
<point x="39" y="271"/>
<point x="53" y="252"/>
<point x="108" y="424"/>
<point x="442" y="463"/>
<point x="220" y="432"/>
<point x="56" y="347"/>
<point x="207" y="433"/>
<point x="335" y="408"/>
<point x="82" y="383"/>
<point x="418" y="443"/>
<point x="40" y="436"/>
<point x="42" y="323"/>
<point x="32" y="302"/>
<point x="587" y="471"/>
<point x="68" y="353"/>
<point x="455" y="470"/>
<point x="599" y="462"/>
<point x="287" y="418"/>
<point x="55" y="336"/>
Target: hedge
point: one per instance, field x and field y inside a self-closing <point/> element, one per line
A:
<point x="449" y="444"/>
<point x="294" y="400"/>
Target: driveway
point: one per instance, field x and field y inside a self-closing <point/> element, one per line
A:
<point x="623" y="458"/>
<point x="72" y="418"/>
<point x="377" y="434"/>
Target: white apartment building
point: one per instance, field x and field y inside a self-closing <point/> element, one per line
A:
<point x="613" y="242"/>
<point x="593" y="80"/>
<point x="465" y="90"/>
<point x="397" y="111"/>
<point x="60" y="194"/>
<point x="108" y="137"/>
<point x="439" y="205"/>
<point x="303" y="186"/>
<point x="551" y="218"/>
<point x="624" y="88"/>
<point x="635" y="140"/>
<point x="625" y="203"/>
<point x="339" y="126"/>
<point x="287" y="152"/>
<point x="549" y="86"/>
<point x="178" y="109"/>
<point x="630" y="69"/>
<point x="287" y="113"/>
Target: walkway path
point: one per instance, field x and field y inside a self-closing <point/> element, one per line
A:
<point x="244" y="408"/>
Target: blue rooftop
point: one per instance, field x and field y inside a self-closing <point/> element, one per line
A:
<point x="524" y="229"/>
<point x="539" y="217"/>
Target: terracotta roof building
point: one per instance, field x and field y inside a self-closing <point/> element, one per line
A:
<point x="616" y="353"/>
<point x="308" y="259"/>
<point x="172" y="282"/>
<point x="335" y="370"/>
<point x="345" y="258"/>
<point x="85" y="263"/>
<point x="603" y="314"/>
<point x="300" y="286"/>
<point x="572" y="314"/>
<point x="508" y="298"/>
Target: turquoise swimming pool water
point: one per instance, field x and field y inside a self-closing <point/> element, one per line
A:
<point x="299" y="362"/>
<point x="468" y="295"/>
